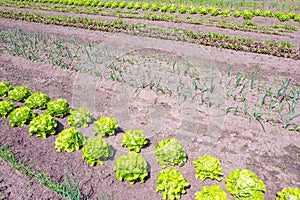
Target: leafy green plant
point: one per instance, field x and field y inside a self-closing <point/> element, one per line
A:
<point x="96" y="150"/>
<point x="130" y="4"/>
<point x="37" y="100"/>
<point x="170" y="151"/>
<point x="225" y="13"/>
<point x="182" y="9"/>
<point x="267" y="13"/>
<point x="20" y="116"/>
<point x="154" y="7"/>
<point x="214" y="11"/>
<point x="6" y="107"/>
<point x="137" y="5"/>
<point x="202" y="10"/>
<point x="122" y="4"/>
<point x="132" y="167"/>
<point x="208" y="167"/>
<point x="134" y="140"/>
<point x="42" y="125"/>
<point x="105" y="126"/>
<point x="115" y="4"/>
<point x="244" y="184"/>
<point x="171" y="184"/>
<point x="5" y="87"/>
<point x="288" y="194"/>
<point x="192" y="10"/>
<point x="237" y="14"/>
<point x="145" y="6"/>
<point x="19" y="93"/>
<point x="80" y="118"/>
<point x="164" y="8"/>
<point x="69" y="140"/>
<point x="172" y="8"/>
<point x="211" y="193"/>
<point x="247" y="15"/>
<point x="58" y="108"/>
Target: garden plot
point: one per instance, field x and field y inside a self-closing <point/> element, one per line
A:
<point x="239" y="107"/>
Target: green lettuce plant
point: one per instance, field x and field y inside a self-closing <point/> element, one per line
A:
<point x="172" y="8"/>
<point x="122" y="4"/>
<point x="96" y="150"/>
<point x="288" y="194"/>
<point x="211" y="193"/>
<point x="171" y="152"/>
<point x="80" y="118"/>
<point x="137" y="5"/>
<point x="19" y="93"/>
<point x="69" y="140"/>
<point x="154" y="7"/>
<point x="5" y="87"/>
<point x="146" y="6"/>
<point x="105" y="126"/>
<point x="134" y="140"/>
<point x="58" y="108"/>
<point x="37" y="100"/>
<point x="208" y="167"/>
<point x="171" y="184"/>
<point x="131" y="167"/>
<point x="20" y="116"/>
<point x="6" y="107"/>
<point x="182" y="9"/>
<point x="244" y="184"/>
<point x="42" y="125"/>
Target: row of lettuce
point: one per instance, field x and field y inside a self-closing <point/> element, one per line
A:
<point x="279" y="49"/>
<point x="131" y="166"/>
<point x="182" y="9"/>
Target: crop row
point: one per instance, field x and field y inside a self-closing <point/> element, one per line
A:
<point x="131" y="166"/>
<point x="250" y="26"/>
<point x="282" y="49"/>
<point x="177" y="78"/>
<point x="182" y="9"/>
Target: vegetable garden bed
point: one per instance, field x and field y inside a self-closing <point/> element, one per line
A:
<point x="239" y="107"/>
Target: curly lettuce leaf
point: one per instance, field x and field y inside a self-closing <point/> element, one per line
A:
<point x="69" y="140"/>
<point x="288" y="194"/>
<point x="244" y="184"/>
<point x="105" y="126"/>
<point x="131" y="167"/>
<point x="171" y="184"/>
<point x="208" y="167"/>
<point x="211" y="193"/>
<point x="42" y="125"/>
<point x="96" y="150"/>
<point x="19" y="93"/>
<point x="37" y="100"/>
<point x="80" y="118"/>
<point x="171" y="152"/>
<point x="134" y="140"/>
<point x="5" y="87"/>
<point x="58" y="108"/>
<point x="6" y="107"/>
<point x="20" y="116"/>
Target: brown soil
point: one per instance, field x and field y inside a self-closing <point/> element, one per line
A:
<point x="273" y="155"/>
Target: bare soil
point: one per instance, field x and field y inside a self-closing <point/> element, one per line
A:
<point x="274" y="155"/>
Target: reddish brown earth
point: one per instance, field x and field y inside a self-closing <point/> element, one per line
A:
<point x="274" y="155"/>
